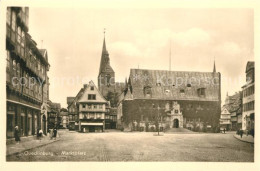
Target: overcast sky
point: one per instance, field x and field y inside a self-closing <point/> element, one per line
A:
<point x="74" y="37"/>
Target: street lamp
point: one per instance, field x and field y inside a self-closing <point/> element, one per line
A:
<point x="158" y="117"/>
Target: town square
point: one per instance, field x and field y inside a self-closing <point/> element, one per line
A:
<point x="129" y="84"/>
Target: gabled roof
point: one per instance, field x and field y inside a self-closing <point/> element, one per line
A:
<point x="224" y="111"/>
<point x="87" y="91"/>
<point x="250" y="65"/>
<point x="160" y="89"/>
<point x="75" y="100"/>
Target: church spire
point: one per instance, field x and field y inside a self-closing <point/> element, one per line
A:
<point x="214" y="67"/>
<point x="104" y="51"/>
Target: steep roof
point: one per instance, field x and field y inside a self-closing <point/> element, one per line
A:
<point x="235" y="103"/>
<point x="70" y="99"/>
<point x="105" y="61"/>
<point x="170" y="85"/>
<point x="87" y="91"/>
<point x="75" y="100"/>
<point x="250" y="65"/>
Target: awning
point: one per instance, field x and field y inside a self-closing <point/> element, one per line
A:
<point x="91" y="124"/>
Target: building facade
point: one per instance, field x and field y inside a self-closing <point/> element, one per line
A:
<point x="26" y="73"/>
<point x="92" y="109"/>
<point x="54" y="118"/>
<point x="233" y="104"/>
<point x="225" y="119"/>
<point x="73" y="110"/>
<point x="248" y="115"/>
<point x="158" y="99"/>
<point x="64" y="118"/>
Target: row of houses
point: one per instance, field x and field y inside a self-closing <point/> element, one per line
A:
<point x="148" y="100"/>
<point x="238" y="111"/>
<point x="27" y="82"/>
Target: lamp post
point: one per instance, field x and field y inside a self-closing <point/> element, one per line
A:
<point x="158" y="117"/>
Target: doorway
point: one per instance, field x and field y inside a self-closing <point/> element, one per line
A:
<point x="175" y="123"/>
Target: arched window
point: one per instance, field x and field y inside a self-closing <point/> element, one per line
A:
<point x="108" y="79"/>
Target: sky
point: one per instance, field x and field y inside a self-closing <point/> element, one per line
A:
<point x="142" y="38"/>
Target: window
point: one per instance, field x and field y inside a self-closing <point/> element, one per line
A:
<point x="14" y="67"/>
<point x="91" y="97"/>
<point x="39" y="65"/>
<point x="19" y="34"/>
<point x="42" y="69"/>
<point x="147" y="91"/>
<point x="92" y="88"/>
<point x="182" y="91"/>
<point x="13" y="21"/>
<point x="101" y="106"/>
<point x="89" y="106"/>
<point x="8" y="16"/>
<point x="27" y="79"/>
<point x="201" y="92"/>
<point x="84" y="106"/>
<point x="188" y="85"/>
<point x="8" y="59"/>
<point x="18" y="70"/>
<point x="176" y="111"/>
<point x="95" y="106"/>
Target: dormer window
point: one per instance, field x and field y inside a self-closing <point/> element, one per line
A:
<point x="92" y="88"/>
<point x="201" y="92"/>
<point x="147" y="91"/>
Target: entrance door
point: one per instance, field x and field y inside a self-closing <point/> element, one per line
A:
<point x="175" y="123"/>
<point x="91" y="129"/>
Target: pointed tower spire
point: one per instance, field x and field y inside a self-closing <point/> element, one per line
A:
<point x="214" y="67"/>
<point x="104" y="43"/>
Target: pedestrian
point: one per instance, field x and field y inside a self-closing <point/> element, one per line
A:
<point x="54" y="133"/>
<point x="241" y="133"/>
<point x="16" y="134"/>
<point x="40" y="134"/>
<point x="224" y="130"/>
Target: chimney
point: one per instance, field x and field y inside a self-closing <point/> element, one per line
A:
<point x="85" y="85"/>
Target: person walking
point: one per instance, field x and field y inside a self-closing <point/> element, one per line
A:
<point x="224" y="130"/>
<point x="16" y="135"/>
<point x="54" y="133"/>
<point x="40" y="134"/>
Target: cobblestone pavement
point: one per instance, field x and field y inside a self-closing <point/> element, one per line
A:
<point x="119" y="146"/>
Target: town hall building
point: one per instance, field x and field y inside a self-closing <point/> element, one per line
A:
<point x="170" y="99"/>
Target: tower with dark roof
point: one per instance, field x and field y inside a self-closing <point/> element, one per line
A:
<point x="106" y="76"/>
